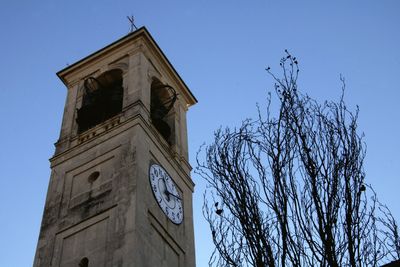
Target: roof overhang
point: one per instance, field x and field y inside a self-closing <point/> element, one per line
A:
<point x="141" y="32"/>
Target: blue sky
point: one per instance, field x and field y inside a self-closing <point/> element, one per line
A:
<point x="220" y="48"/>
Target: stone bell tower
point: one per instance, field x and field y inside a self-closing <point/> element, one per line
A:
<point x="120" y="192"/>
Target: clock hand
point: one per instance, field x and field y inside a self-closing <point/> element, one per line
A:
<point x="166" y="192"/>
<point x="178" y="197"/>
<point x="166" y="184"/>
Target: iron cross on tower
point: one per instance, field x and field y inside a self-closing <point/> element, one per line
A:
<point x="132" y="22"/>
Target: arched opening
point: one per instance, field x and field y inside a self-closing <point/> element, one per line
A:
<point x="84" y="262"/>
<point x="163" y="98"/>
<point x="102" y="99"/>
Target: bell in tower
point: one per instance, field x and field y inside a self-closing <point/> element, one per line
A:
<point x="102" y="99"/>
<point x="120" y="192"/>
<point x="162" y="100"/>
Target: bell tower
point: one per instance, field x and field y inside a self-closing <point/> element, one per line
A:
<point x="120" y="192"/>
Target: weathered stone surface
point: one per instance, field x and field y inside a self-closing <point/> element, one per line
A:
<point x="99" y="203"/>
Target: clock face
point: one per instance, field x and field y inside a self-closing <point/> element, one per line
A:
<point x="166" y="193"/>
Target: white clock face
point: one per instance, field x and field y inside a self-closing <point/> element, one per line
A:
<point x="166" y="193"/>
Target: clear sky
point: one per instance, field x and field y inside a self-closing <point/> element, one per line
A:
<point x="220" y="48"/>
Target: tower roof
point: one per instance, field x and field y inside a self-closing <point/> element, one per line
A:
<point x="139" y="33"/>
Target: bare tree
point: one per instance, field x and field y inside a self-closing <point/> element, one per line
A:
<point x="290" y="189"/>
